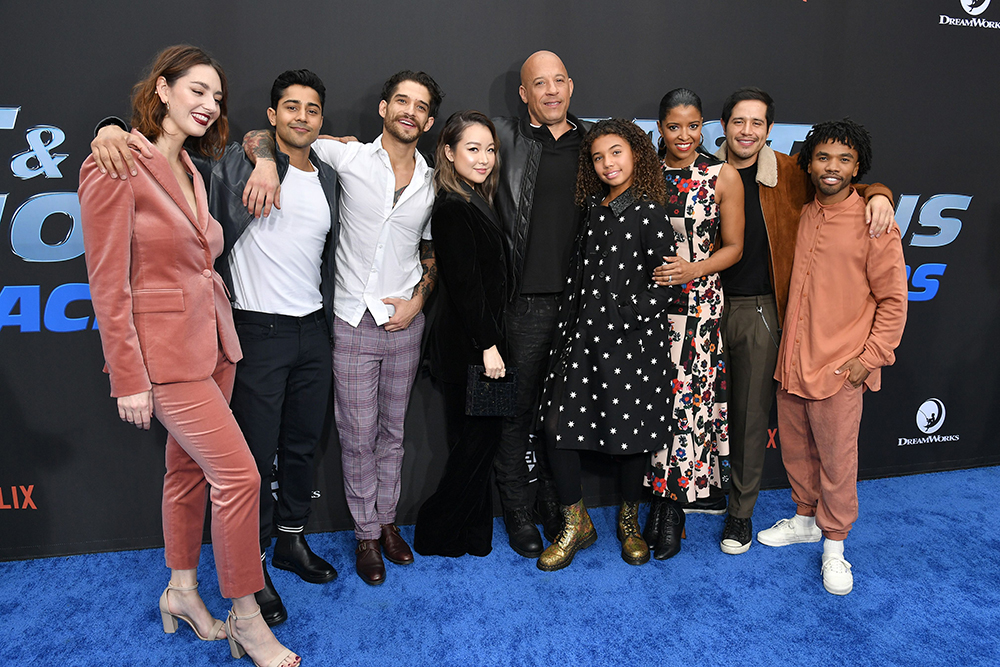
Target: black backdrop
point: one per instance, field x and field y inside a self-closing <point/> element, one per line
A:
<point x="920" y="74"/>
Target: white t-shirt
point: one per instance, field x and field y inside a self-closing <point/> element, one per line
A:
<point x="276" y="262"/>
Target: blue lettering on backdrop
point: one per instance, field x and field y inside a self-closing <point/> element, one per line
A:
<point x="38" y="160"/>
<point x="923" y="279"/>
<point x="21" y="305"/>
<point x="26" y="228"/>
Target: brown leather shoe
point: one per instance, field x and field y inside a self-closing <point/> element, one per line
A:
<point x="393" y="545"/>
<point x="368" y="562"/>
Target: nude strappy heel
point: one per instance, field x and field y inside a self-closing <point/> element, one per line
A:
<point x="237" y="650"/>
<point x="170" y="619"/>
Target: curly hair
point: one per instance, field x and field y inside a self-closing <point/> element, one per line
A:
<point x="844" y="131"/>
<point x="148" y="111"/>
<point x="647" y="177"/>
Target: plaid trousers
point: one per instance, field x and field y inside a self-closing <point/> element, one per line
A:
<point x="373" y="372"/>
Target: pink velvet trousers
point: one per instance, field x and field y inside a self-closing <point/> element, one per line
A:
<point x="206" y="445"/>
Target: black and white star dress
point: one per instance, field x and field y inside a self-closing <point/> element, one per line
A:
<point x="610" y="367"/>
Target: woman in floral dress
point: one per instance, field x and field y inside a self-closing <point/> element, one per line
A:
<point x="705" y="205"/>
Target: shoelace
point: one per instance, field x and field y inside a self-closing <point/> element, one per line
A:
<point x="836" y="565"/>
<point x="628" y="523"/>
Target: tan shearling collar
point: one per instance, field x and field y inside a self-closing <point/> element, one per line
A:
<point x="767" y="164"/>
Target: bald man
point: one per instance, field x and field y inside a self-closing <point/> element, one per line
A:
<point x="539" y="153"/>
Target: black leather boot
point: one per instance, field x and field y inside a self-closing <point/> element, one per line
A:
<point x="292" y="553"/>
<point x="271" y="607"/>
<point x="671" y="525"/>
<point x="550" y="516"/>
<point x="652" y="532"/>
<point x="522" y="533"/>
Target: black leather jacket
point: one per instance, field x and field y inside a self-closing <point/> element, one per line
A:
<point x="519" y="156"/>
<point x="225" y="182"/>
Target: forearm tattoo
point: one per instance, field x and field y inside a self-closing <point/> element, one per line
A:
<point x="259" y="144"/>
<point x="429" y="277"/>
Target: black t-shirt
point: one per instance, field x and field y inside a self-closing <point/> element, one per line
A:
<point x="554" y="216"/>
<point x="750" y="276"/>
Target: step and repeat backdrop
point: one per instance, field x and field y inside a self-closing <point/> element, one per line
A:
<point x="919" y="74"/>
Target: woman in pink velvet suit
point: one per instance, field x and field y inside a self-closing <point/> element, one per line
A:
<point x="170" y="345"/>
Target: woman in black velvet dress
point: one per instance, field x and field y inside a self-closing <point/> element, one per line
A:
<point x="471" y="254"/>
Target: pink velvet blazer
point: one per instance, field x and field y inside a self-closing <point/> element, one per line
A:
<point x="161" y="308"/>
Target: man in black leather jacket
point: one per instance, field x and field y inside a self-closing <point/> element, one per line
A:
<point x="539" y="157"/>
<point x="279" y="268"/>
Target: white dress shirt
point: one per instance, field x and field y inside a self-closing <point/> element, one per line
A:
<point x="378" y="254"/>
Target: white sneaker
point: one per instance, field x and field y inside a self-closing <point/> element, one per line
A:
<point x="837" y="577"/>
<point x="788" y="531"/>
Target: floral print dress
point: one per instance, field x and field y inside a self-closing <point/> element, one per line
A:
<point x="698" y="456"/>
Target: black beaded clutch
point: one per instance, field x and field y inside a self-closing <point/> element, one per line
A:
<point x="486" y="397"/>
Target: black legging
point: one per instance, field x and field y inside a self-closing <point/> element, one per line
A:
<point x="566" y="469"/>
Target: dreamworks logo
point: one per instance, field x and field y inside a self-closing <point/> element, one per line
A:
<point x="973" y="8"/>
<point x="930" y="416"/>
<point x="930" y="419"/>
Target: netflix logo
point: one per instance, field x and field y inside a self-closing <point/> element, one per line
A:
<point x="19" y="498"/>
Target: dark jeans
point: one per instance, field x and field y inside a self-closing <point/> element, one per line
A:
<point x="531" y="321"/>
<point x="280" y="401"/>
<point x="458" y="518"/>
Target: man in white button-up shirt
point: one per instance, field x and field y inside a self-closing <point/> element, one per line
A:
<point x="385" y="271"/>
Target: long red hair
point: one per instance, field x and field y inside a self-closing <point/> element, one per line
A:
<point x="148" y="110"/>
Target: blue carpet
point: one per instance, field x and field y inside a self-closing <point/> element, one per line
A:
<point x="926" y="557"/>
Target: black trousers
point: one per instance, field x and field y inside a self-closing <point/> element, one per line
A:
<point x="281" y="400"/>
<point x="530" y="323"/>
<point x="458" y="518"/>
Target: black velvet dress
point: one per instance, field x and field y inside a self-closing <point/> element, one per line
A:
<point x="471" y="256"/>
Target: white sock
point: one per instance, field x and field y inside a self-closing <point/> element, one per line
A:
<point x="833" y="548"/>
<point x="804" y="522"/>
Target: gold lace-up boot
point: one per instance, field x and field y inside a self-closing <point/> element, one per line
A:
<point x="635" y="551"/>
<point x="577" y="533"/>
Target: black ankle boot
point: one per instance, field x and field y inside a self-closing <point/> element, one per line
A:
<point x="671" y="529"/>
<point x="550" y="516"/>
<point x="271" y="607"/>
<point x="652" y="531"/>
<point x="292" y="553"/>
<point x="522" y="533"/>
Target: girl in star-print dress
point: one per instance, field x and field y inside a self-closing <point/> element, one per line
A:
<point x="704" y="202"/>
<point x="605" y="389"/>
